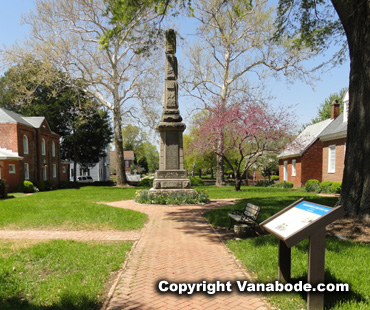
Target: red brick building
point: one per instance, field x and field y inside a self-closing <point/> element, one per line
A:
<point x="334" y="144"/>
<point x="129" y="158"/>
<point x="30" y="150"/>
<point x="302" y="159"/>
<point x="318" y="152"/>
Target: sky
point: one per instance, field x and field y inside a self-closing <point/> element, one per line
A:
<point x="305" y="100"/>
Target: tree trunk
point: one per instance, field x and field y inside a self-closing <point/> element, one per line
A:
<point x="212" y="173"/>
<point x="238" y="181"/>
<point x="120" y="162"/>
<point x="355" y="196"/>
<point x="220" y="178"/>
<point x="200" y="172"/>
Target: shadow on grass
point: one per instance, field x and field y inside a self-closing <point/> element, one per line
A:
<point x="67" y="301"/>
<point x="332" y="299"/>
<point x="269" y="206"/>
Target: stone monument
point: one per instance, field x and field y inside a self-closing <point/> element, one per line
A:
<point x="171" y="175"/>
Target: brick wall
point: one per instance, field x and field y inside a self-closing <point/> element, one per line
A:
<point x="296" y="180"/>
<point x="312" y="162"/>
<point x="8" y="137"/>
<point x="31" y="157"/>
<point x="64" y="172"/>
<point x="12" y="180"/>
<point x="337" y="176"/>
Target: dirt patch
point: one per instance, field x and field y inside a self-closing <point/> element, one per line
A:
<point x="350" y="228"/>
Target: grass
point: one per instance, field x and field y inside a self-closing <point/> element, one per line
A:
<point x="346" y="262"/>
<point x="57" y="274"/>
<point x="71" y="209"/>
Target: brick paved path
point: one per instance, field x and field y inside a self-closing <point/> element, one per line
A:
<point x="79" y="235"/>
<point x="178" y="245"/>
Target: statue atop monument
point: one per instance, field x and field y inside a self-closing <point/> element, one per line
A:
<point x="171" y="174"/>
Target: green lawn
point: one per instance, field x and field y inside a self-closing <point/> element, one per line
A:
<point x="346" y="262"/>
<point x="71" y="275"/>
<point x="57" y="274"/>
<point x="71" y="209"/>
<point x="62" y="274"/>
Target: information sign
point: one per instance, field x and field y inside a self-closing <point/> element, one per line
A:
<point x="296" y="222"/>
<point x="296" y="218"/>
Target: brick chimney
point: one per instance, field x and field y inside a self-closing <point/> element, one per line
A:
<point x="335" y="109"/>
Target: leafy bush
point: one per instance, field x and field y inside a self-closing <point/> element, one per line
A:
<point x="263" y="183"/>
<point x="171" y="197"/>
<point x="336" y="187"/>
<point x="313" y="186"/>
<point x="67" y="184"/>
<point x="274" y="178"/>
<point x="146" y="182"/>
<point x="283" y="184"/>
<point x="40" y="185"/>
<point x="325" y="186"/>
<point x="28" y="187"/>
<point x="196" y="181"/>
<point x="25" y="187"/>
<point x="44" y="186"/>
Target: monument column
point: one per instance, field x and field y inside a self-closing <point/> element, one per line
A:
<point x="171" y="174"/>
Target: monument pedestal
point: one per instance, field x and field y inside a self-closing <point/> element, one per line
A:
<point x="171" y="175"/>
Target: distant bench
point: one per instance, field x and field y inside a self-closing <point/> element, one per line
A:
<point x="247" y="216"/>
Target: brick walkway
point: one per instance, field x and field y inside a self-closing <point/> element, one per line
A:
<point x="178" y="245"/>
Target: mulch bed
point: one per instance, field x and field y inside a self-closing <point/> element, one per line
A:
<point x="350" y="228"/>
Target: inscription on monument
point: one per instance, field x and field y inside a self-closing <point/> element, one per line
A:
<point x="172" y="150"/>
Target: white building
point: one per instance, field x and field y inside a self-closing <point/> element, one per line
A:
<point x="100" y="172"/>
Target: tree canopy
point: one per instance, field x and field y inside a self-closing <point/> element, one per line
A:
<point x="84" y="128"/>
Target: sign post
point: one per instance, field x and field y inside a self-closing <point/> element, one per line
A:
<point x="295" y="223"/>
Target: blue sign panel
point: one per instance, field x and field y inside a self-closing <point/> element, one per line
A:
<point x="312" y="208"/>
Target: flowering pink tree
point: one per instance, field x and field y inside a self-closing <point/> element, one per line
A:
<point x="248" y="130"/>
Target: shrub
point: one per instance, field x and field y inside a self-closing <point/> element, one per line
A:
<point x="44" y="186"/>
<point x="196" y="181"/>
<point x="263" y="183"/>
<point x="146" y="182"/>
<point x="28" y="187"/>
<point x="49" y="186"/>
<point x="66" y="184"/>
<point x="171" y="197"/>
<point x="336" y="187"/>
<point x="325" y="186"/>
<point x="25" y="187"/>
<point x="286" y="184"/>
<point x="274" y="178"/>
<point x="40" y="185"/>
<point x="313" y="186"/>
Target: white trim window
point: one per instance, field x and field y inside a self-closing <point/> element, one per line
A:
<point x="331" y="159"/>
<point x="25" y="144"/>
<point x="286" y="170"/>
<point x="54" y="171"/>
<point x="294" y="171"/>
<point x="64" y="169"/>
<point x="11" y="169"/>
<point x="26" y="171"/>
<point x="43" y="147"/>
<point x="53" y="149"/>
<point x="44" y="174"/>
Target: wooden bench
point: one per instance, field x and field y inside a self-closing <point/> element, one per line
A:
<point x="247" y="216"/>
